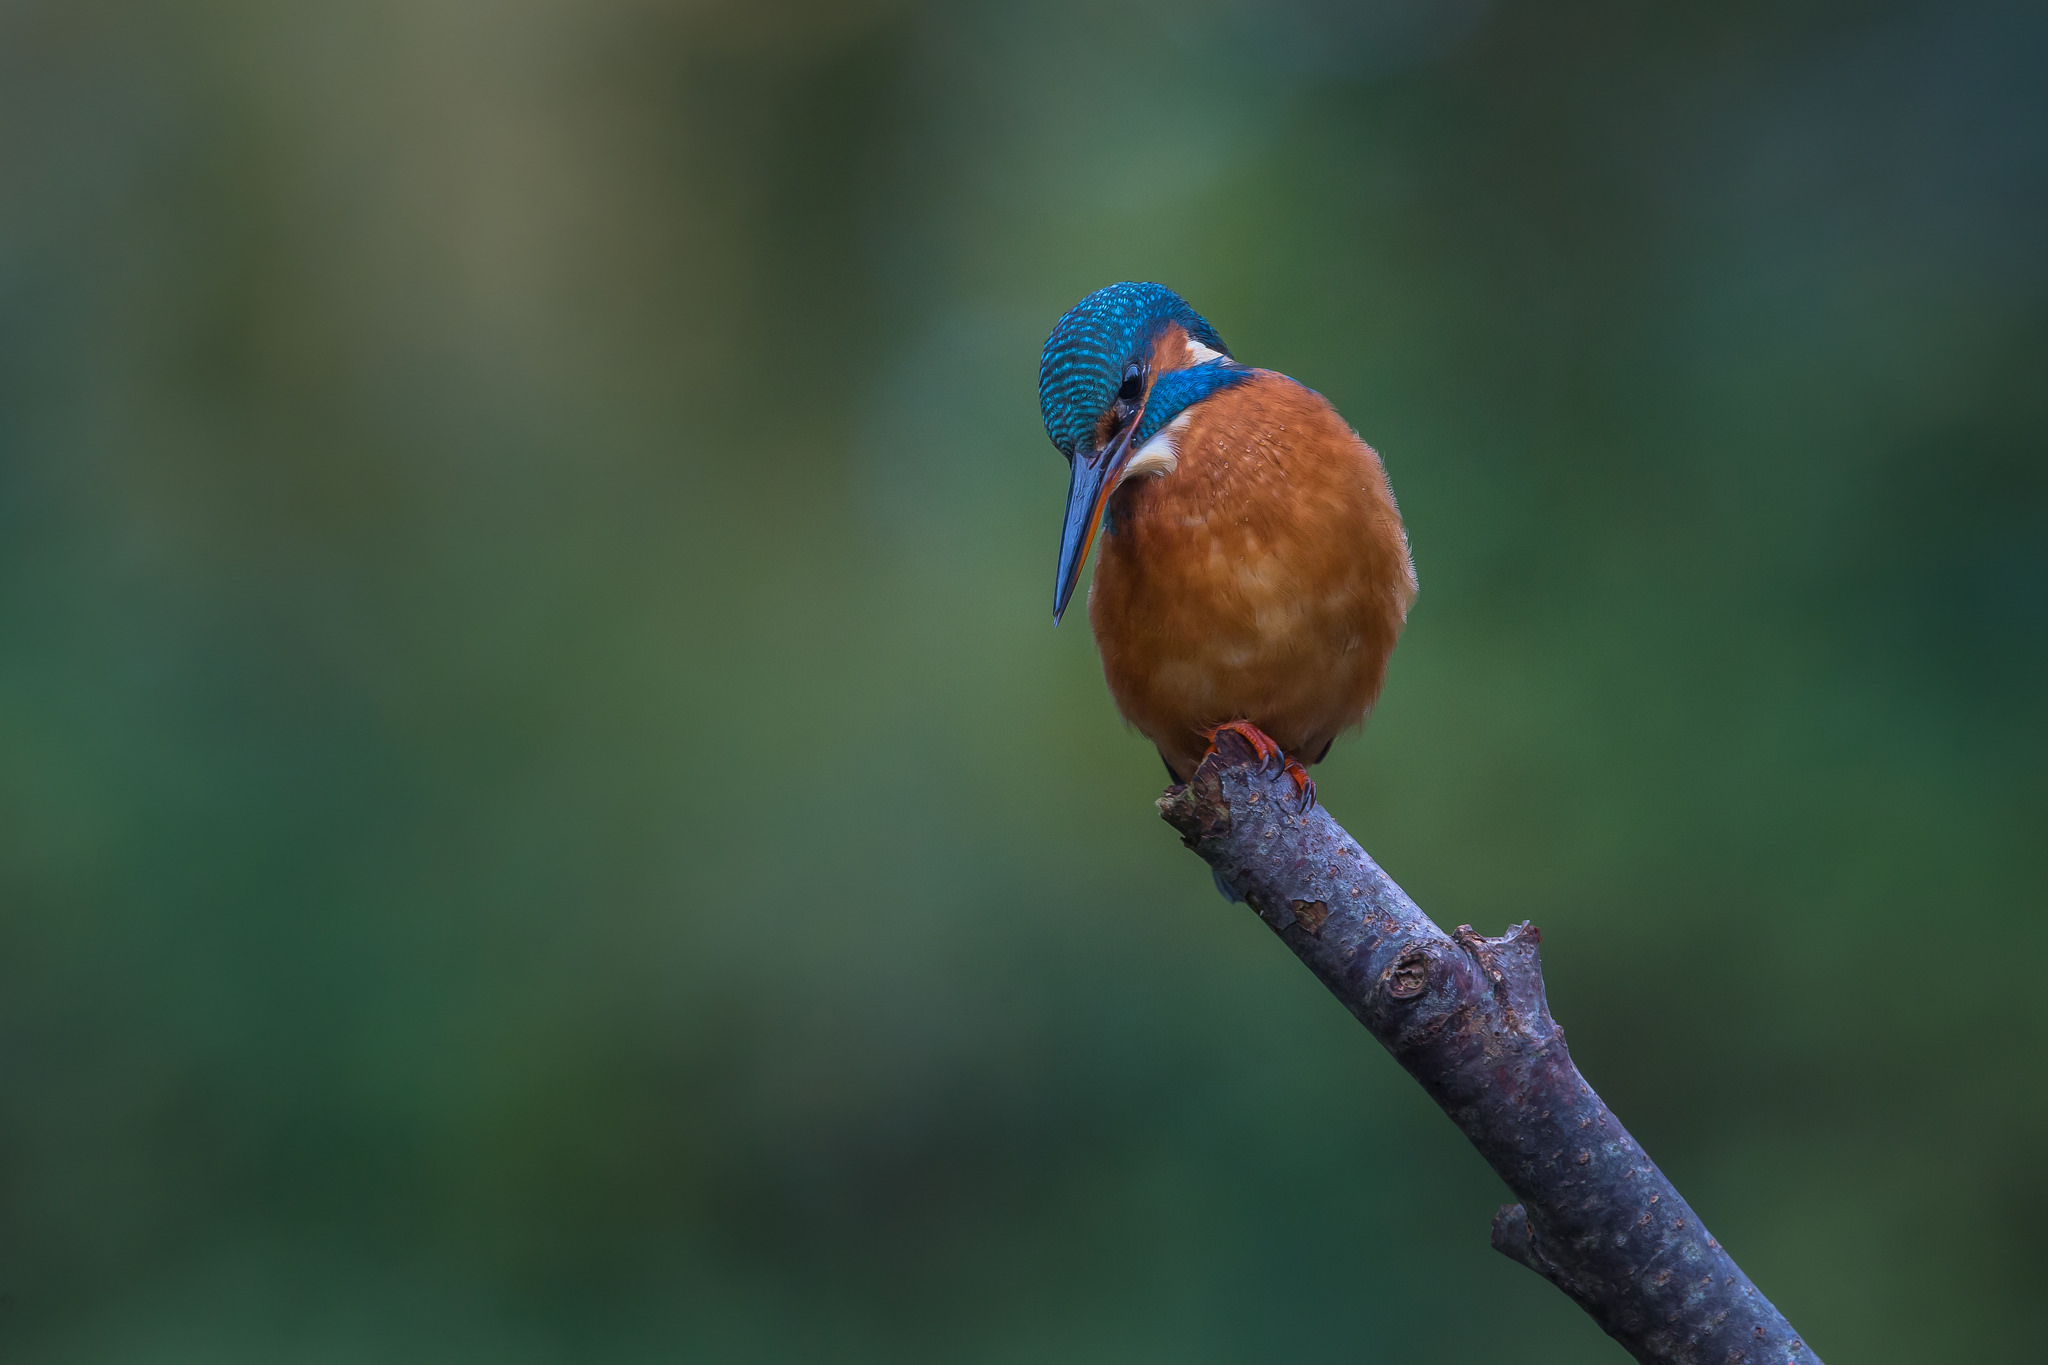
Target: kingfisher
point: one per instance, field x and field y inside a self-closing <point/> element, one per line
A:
<point x="1254" y="572"/>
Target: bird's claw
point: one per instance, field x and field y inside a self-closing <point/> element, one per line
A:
<point x="1253" y="738"/>
<point x="1304" y="788"/>
<point x="1262" y="748"/>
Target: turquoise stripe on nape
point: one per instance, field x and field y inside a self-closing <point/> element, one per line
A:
<point x="1178" y="390"/>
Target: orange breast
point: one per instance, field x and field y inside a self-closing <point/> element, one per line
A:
<point x="1265" y="579"/>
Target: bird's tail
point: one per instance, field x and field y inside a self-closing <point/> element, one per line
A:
<point x="1229" y="891"/>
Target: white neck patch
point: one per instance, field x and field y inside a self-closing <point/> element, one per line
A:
<point x="1160" y="455"/>
<point x="1198" y="354"/>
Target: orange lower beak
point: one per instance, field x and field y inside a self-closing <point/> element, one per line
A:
<point x="1094" y="479"/>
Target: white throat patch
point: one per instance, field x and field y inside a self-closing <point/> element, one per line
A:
<point x="1160" y="455"/>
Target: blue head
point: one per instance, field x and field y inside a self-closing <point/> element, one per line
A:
<point x="1118" y="367"/>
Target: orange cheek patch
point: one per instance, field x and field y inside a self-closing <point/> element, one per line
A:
<point x="1169" y="349"/>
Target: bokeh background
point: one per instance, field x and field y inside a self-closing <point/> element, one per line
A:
<point x="543" y="818"/>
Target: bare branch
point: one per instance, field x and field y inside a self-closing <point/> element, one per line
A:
<point x="1466" y="1016"/>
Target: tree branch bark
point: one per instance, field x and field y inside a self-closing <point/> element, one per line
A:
<point x="1466" y="1016"/>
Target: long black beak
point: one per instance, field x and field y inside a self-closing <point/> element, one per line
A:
<point x="1094" y="479"/>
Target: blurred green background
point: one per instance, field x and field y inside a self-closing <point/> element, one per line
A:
<point x="542" y="816"/>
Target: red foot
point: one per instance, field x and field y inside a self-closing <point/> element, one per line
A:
<point x="1266" y="751"/>
<point x="1258" y="741"/>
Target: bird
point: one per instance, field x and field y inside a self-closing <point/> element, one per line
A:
<point x="1254" y="572"/>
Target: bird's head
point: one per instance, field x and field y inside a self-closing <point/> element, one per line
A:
<point x="1119" y="366"/>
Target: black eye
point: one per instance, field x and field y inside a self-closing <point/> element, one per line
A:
<point x="1134" y="382"/>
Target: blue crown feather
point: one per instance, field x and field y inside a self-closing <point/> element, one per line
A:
<point x="1084" y="359"/>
